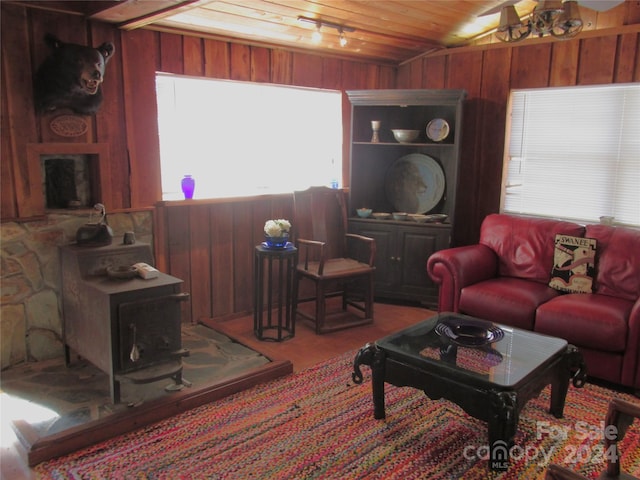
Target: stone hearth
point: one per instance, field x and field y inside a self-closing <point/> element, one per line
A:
<point x="31" y="305"/>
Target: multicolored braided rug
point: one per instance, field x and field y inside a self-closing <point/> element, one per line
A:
<point x="319" y="425"/>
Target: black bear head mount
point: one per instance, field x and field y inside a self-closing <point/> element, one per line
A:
<point x="71" y="76"/>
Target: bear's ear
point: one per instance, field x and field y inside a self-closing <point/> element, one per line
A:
<point x="107" y="49"/>
<point x="52" y="41"/>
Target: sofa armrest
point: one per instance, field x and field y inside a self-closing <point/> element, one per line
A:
<point x="455" y="268"/>
<point x="631" y="363"/>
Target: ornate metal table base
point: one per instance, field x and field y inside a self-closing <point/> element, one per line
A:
<point x="498" y="406"/>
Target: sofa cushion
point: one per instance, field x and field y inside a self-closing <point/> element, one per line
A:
<point x="511" y="301"/>
<point x="573" y="264"/>
<point x="524" y="245"/>
<point x="588" y="320"/>
<point x="617" y="261"/>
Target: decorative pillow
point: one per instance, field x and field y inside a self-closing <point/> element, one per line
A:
<point x="573" y="264"/>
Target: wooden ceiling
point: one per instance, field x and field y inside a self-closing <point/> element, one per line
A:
<point x="384" y="31"/>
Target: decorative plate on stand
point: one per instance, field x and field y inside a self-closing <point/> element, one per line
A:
<point x="415" y="183"/>
<point x="438" y="129"/>
<point x="69" y="126"/>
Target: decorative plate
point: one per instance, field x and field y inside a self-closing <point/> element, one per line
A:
<point x="415" y="183"/>
<point x="469" y="333"/>
<point x="69" y="126"/>
<point x="437" y="129"/>
<point x="287" y="246"/>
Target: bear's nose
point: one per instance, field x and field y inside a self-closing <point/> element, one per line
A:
<point x="96" y="75"/>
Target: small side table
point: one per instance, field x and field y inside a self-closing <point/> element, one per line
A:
<point x="273" y="270"/>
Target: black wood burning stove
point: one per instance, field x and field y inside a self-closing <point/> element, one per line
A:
<point x="129" y="328"/>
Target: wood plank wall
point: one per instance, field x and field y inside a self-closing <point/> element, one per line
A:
<point x="207" y="244"/>
<point x="210" y="244"/>
<point x="488" y="74"/>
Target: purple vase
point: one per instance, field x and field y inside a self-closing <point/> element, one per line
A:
<point x="188" y="185"/>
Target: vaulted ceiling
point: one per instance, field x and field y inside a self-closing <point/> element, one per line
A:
<point x="385" y="31"/>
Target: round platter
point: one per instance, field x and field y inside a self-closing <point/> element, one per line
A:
<point x="437" y="129"/>
<point x="414" y="183"/>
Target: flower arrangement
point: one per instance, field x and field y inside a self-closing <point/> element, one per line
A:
<point x="277" y="228"/>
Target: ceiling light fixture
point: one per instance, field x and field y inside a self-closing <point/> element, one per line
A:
<point x="550" y="17"/>
<point x="343" y="39"/>
<point x="317" y="36"/>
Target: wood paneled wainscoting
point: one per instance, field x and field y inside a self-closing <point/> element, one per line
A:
<point x="210" y="245"/>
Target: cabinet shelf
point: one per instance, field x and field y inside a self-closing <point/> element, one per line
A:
<point x="396" y="144"/>
<point x="403" y="246"/>
<point x="404" y="223"/>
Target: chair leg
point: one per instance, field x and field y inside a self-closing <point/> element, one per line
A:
<point x="368" y="304"/>
<point x="294" y="299"/>
<point x="321" y="307"/>
<point x="345" y="295"/>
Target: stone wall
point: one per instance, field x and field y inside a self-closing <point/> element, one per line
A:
<point x="30" y="301"/>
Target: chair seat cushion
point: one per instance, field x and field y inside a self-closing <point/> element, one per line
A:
<point x="512" y="301"/>
<point x="589" y="320"/>
<point x="336" y="268"/>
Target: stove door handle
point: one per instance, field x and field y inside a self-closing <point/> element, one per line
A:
<point x="134" y="355"/>
<point x="180" y="297"/>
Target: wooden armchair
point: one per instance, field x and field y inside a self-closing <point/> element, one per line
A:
<point x="620" y="415"/>
<point x="337" y="262"/>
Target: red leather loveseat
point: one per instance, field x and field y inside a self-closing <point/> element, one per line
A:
<point x="505" y="278"/>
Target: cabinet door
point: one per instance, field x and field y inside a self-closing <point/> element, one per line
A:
<point x="415" y="247"/>
<point x="386" y="266"/>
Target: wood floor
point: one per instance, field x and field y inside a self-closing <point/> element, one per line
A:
<point x="307" y="348"/>
<point x="304" y="350"/>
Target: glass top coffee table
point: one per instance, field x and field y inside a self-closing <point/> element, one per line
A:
<point x="490" y="370"/>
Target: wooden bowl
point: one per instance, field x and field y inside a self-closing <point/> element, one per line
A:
<point x="122" y="272"/>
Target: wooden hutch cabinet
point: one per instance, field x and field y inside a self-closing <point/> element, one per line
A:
<point x="418" y="177"/>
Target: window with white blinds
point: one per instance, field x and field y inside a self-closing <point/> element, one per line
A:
<point x="574" y="153"/>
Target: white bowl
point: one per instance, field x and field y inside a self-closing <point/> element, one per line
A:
<point x="363" y="212"/>
<point x="436" y="218"/>
<point x="381" y="215"/>
<point x="399" y="215"/>
<point x="405" y="136"/>
<point x="418" y="217"/>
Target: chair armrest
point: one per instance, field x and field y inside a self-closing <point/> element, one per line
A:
<point x="631" y="362"/>
<point x="308" y="247"/>
<point x="620" y="415"/>
<point x="556" y="472"/>
<point x="455" y="268"/>
<point x="368" y="243"/>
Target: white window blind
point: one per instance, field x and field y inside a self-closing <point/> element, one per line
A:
<point x="574" y="153"/>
